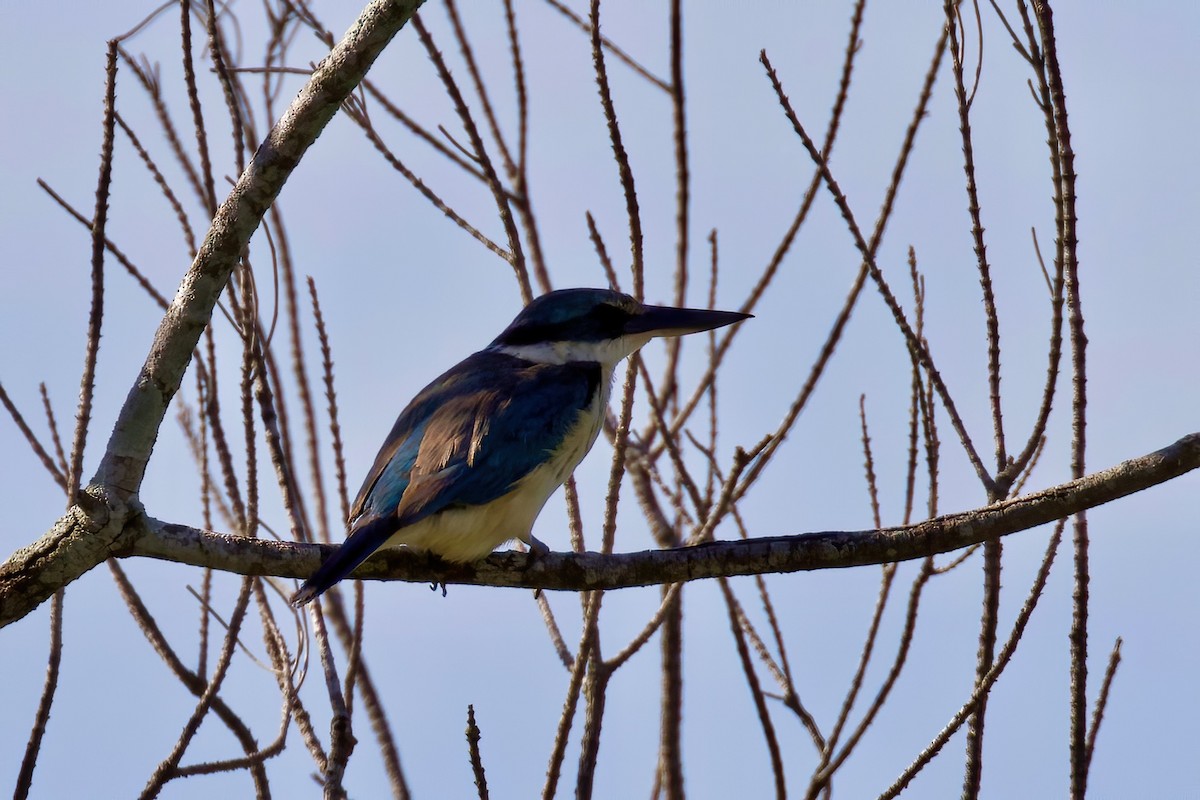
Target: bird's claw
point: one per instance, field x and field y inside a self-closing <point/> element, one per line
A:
<point x="537" y="548"/>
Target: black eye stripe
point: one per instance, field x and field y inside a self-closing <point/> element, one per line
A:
<point x="603" y="321"/>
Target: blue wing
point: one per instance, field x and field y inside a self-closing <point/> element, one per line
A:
<point x="465" y="440"/>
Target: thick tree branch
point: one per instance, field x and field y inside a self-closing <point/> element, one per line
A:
<point x="773" y="554"/>
<point x="85" y="536"/>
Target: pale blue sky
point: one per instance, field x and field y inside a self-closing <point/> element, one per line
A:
<point x="406" y="294"/>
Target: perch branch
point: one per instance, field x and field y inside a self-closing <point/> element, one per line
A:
<point x="772" y="554"/>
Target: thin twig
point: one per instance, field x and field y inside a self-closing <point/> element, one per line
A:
<point x="556" y="637"/>
<point x="567" y="718"/>
<point x="784" y="247"/>
<point x="489" y="114"/>
<point x="353" y="110"/>
<point x="1058" y="287"/>
<point x="372" y="704"/>
<point x="843" y="317"/>
<point x="233" y="106"/>
<point x="612" y="48"/>
<point x="341" y="736"/>
<point x="473" y="737"/>
<point x="984" y="687"/>
<point x="479" y="150"/>
<point x="670" y="737"/>
<point x="985" y="654"/>
<point x="595" y="692"/>
<point x="917" y="347"/>
<point x="830" y="763"/>
<point x="209" y="195"/>
<point x="122" y="259"/>
<point x="189" y="235"/>
<point x="87" y="383"/>
<point x="49" y="688"/>
<point x="669" y="388"/>
<point x="166" y="770"/>
<point x="1114" y="660"/>
<point x="149" y="79"/>
<point x="648" y="630"/>
<point x="59" y="476"/>
<point x="991" y="318"/>
<point x="52" y="425"/>
<point x="624" y="171"/>
<point x="756" y="693"/>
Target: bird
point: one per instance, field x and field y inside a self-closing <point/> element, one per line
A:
<point x="473" y="458"/>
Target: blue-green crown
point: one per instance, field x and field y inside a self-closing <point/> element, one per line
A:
<point x="575" y="315"/>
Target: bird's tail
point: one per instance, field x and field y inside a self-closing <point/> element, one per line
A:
<point x="365" y="539"/>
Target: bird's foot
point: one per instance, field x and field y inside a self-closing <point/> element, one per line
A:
<point x="435" y="564"/>
<point x="537" y="548"/>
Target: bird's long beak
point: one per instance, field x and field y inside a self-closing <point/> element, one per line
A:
<point x="669" y="321"/>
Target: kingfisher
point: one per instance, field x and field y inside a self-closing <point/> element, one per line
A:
<point x="474" y="457"/>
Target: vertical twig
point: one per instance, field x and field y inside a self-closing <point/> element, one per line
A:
<point x="595" y="692"/>
<point x="810" y="193"/>
<point x="303" y="384"/>
<point x="567" y="718"/>
<point x="40" y="719"/>
<point x="1068" y="248"/>
<point x="669" y="388"/>
<point x="984" y="659"/>
<point x="209" y="195"/>
<point x="233" y="105"/>
<point x="885" y="587"/>
<point x="756" y="693"/>
<point x="96" y="315"/>
<point x="473" y="737"/>
<point x="72" y="477"/>
<point x="372" y="704"/>
<point x="622" y="157"/>
<point x="670" y="753"/>
<point x="341" y="736"/>
<point x="992" y="319"/>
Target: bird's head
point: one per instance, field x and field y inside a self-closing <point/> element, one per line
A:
<point x="598" y="325"/>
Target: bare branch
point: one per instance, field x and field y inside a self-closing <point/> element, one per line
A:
<point x="624" y="171"/>
<point x="612" y="48"/>
<point x="59" y="475"/>
<point x="587" y="571"/>
<point x="916" y="346"/>
<point x="473" y="737"/>
<point x="1114" y="660"/>
<point x="34" y="746"/>
<point x="96" y="315"/>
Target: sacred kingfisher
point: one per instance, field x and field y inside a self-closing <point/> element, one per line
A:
<point x="474" y="457"/>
